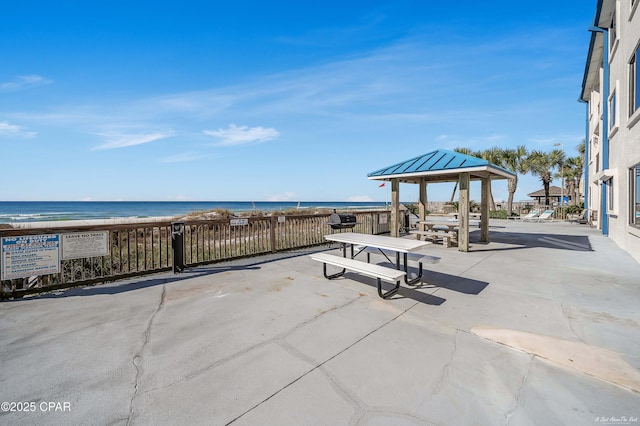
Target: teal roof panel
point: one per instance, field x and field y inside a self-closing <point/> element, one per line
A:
<point x="435" y="161"/>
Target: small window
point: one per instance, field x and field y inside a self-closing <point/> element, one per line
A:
<point x="613" y="110"/>
<point x="613" y="31"/>
<point x="634" y="196"/>
<point x="634" y="82"/>
<point x="610" y="196"/>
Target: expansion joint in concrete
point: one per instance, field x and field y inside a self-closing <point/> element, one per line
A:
<point x="445" y="369"/>
<point x="566" y="315"/>
<point x="520" y="392"/>
<point x="137" y="358"/>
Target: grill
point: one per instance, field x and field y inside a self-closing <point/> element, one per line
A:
<point x="342" y="220"/>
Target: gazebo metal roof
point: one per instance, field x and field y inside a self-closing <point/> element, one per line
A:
<point x="554" y="191"/>
<point x="440" y="166"/>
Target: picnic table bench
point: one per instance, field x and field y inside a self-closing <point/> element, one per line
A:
<point x="368" y="269"/>
<point x="391" y="245"/>
<point x="435" y="235"/>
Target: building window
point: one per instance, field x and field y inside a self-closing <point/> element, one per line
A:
<point x="613" y="110"/>
<point x="613" y="31"/>
<point x="610" y="206"/>
<point x="634" y="82"/>
<point x="634" y="196"/>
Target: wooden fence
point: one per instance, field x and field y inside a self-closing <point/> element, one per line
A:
<point x="136" y="249"/>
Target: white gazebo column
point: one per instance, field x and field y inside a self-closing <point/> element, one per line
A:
<point x="484" y="209"/>
<point x="422" y="206"/>
<point x="463" y="212"/>
<point x="395" y="207"/>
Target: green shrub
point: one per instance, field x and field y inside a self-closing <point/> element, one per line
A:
<point x="498" y="214"/>
<point x="573" y="209"/>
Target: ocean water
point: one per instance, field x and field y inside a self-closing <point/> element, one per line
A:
<point x="40" y="211"/>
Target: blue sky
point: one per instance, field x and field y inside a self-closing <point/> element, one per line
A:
<point x="278" y="100"/>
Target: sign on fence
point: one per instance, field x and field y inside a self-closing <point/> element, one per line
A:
<point x="85" y="244"/>
<point x="239" y="222"/>
<point x="30" y="255"/>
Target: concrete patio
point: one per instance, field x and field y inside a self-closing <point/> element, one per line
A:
<point x="540" y="326"/>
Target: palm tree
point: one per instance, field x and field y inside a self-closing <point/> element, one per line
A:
<point x="572" y="170"/>
<point x="568" y="172"/>
<point x="465" y="151"/>
<point x="514" y="160"/>
<point x="582" y="149"/>
<point x="542" y="164"/>
<point x="492" y="155"/>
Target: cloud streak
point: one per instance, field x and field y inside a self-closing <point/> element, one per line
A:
<point x="242" y="135"/>
<point x="13" y="130"/>
<point x="24" y="82"/>
<point x="120" y="140"/>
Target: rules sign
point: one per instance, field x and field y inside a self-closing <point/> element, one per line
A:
<point x="85" y="244"/>
<point x="30" y="255"/>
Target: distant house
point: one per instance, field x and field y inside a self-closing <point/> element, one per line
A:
<point x="611" y="92"/>
<point x="555" y="193"/>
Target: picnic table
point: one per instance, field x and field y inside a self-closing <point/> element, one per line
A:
<point x="432" y="225"/>
<point x="403" y="249"/>
<point x="444" y="228"/>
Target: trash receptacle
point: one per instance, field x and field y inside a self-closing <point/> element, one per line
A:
<point x="177" y="246"/>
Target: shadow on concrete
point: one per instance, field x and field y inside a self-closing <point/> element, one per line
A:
<point x="430" y="280"/>
<point x="405" y="292"/>
<point x="452" y="282"/>
<point x="132" y="284"/>
<point x="519" y="240"/>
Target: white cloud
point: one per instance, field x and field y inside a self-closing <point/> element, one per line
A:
<point x="120" y="140"/>
<point x="359" y="199"/>
<point x="23" y="82"/>
<point x="7" y="129"/>
<point x="287" y="196"/>
<point x="241" y="135"/>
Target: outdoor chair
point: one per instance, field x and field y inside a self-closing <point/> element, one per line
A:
<point x="546" y="216"/>
<point x="577" y="217"/>
<point x="532" y="215"/>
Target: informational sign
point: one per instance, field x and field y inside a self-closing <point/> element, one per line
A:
<point x="85" y="244"/>
<point x="383" y="219"/>
<point x="30" y="255"/>
<point x="281" y="219"/>
<point x="239" y="222"/>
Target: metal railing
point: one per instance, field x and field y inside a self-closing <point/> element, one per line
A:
<point x="136" y="249"/>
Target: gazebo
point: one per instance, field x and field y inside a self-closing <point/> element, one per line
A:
<point x="444" y="166"/>
<point x="555" y="194"/>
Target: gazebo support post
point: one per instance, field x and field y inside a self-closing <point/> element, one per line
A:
<point x="395" y="207"/>
<point x="484" y="209"/>
<point x="463" y="212"/>
<point x="422" y="207"/>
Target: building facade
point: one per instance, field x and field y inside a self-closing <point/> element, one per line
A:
<point x="611" y="92"/>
